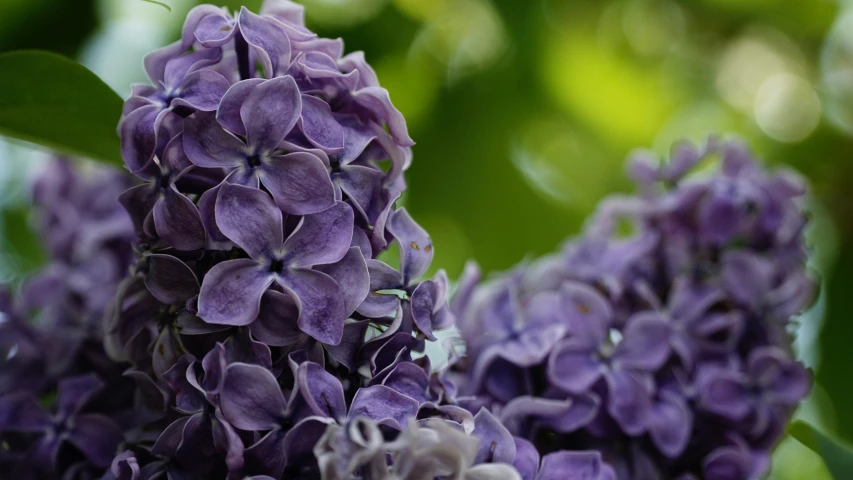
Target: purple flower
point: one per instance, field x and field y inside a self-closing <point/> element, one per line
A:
<point x="264" y="112"/>
<point x="591" y="352"/>
<point x="559" y="465"/>
<point x="231" y="291"/>
<point x="94" y="435"/>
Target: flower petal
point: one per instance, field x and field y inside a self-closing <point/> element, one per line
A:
<point x="268" y="39"/>
<point x="170" y="280"/>
<point x="207" y="144"/>
<point x="383" y="405"/>
<point x="19" y="412"/>
<point x="496" y="444"/>
<point x="570" y="465"/>
<point x="228" y="113"/>
<point x="276" y="323"/>
<point x="202" y="90"/>
<point x="628" y="401"/>
<point x="231" y="292"/>
<point x="177" y="221"/>
<point x="267" y="455"/>
<point x="75" y="392"/>
<point x="321" y="238"/>
<point x="299" y="183"/>
<point x="671" y="424"/>
<point x="319" y="125"/>
<point x="382" y="277"/>
<point x="249" y="218"/>
<point x="251" y="398"/>
<point x="645" y="345"/>
<point x="350" y="273"/>
<point x="526" y="459"/>
<point x="320" y="302"/>
<point x="415" y="245"/>
<point x="573" y="368"/>
<point x="322" y="391"/>
<point x="97" y="437"/>
<point x="377" y="100"/>
<point x="138" y="137"/>
<point x="270" y="112"/>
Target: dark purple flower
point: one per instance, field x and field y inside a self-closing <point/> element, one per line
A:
<point x="94" y="435"/>
<point x="559" y="465"/>
<point x="231" y="292"/>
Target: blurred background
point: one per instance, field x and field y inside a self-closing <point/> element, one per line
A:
<point x="524" y="111"/>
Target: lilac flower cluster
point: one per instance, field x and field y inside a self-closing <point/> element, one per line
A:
<point x="235" y="320"/>
<point x="56" y="416"/>
<point x="666" y="349"/>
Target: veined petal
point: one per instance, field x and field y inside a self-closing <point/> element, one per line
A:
<point x="299" y="182"/>
<point x="270" y="112"/>
<point x="231" y="292"/>
<point x="249" y="218"/>
<point x="320" y="302"/>
<point x="321" y="238"/>
<point x="251" y="398"/>
<point x="207" y="144"/>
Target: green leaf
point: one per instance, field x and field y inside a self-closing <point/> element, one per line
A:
<point x="837" y="456"/>
<point x="53" y="101"/>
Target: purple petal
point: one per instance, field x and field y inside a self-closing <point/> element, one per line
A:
<point x="270" y="112"/>
<point x="97" y="437"/>
<point x="251" y="398"/>
<point x="382" y="277"/>
<point x="361" y="184"/>
<point x="138" y="137"/>
<point x="321" y="238"/>
<point x="573" y="368"/>
<point x="299" y="182"/>
<point x="383" y="405"/>
<point x="249" y="218"/>
<point x="170" y="280"/>
<point x="156" y="61"/>
<point x="526" y="459"/>
<point x="415" y="245"/>
<point x="75" y="392"/>
<point x="568" y="465"/>
<point x="167" y="351"/>
<point x="19" y="412"/>
<point x="177" y="221"/>
<point x="496" y="444"/>
<point x="588" y="311"/>
<point x="188" y="398"/>
<point x="747" y="277"/>
<point x="228" y="113"/>
<point x="268" y="455"/>
<point x="645" y="345"/>
<point x="376" y="100"/>
<point x="269" y="40"/>
<point x="300" y="440"/>
<point x="226" y="441"/>
<point x="725" y="463"/>
<point x="276" y="323"/>
<point x="627" y="401"/>
<point x="241" y="347"/>
<point x="207" y="144"/>
<point x="319" y="125"/>
<point x="214" y="365"/>
<point x="320" y="302"/>
<point x="727" y="395"/>
<point x="350" y="273"/>
<point x="202" y="90"/>
<point x="212" y="30"/>
<point x="322" y="391"/>
<point x="670" y="425"/>
<point x="231" y="292"/>
<point x="410" y="380"/>
<point x="347" y="351"/>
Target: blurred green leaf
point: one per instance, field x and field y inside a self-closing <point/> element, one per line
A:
<point x="837" y="457"/>
<point x="21" y="248"/>
<point x="53" y="101"/>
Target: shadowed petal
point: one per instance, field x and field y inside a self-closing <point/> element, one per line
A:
<point x="321" y="238"/>
<point x="19" y="412"/>
<point x="671" y="424"/>
<point x="319" y="125"/>
<point x="138" y="137"/>
<point x="231" y="292"/>
<point x="645" y="345"/>
<point x="170" y="280"/>
<point x="526" y="459"/>
<point x="300" y="440"/>
<point x="75" y="392"/>
<point x="382" y="277"/>
<point x="415" y="245"/>
<point x="627" y="401"/>
<point x="207" y="144"/>
<point x="177" y="221"/>
<point x="376" y="100"/>
<point x="97" y="437"/>
<point x="214" y="29"/>
<point x="276" y="323"/>
<point x="573" y="368"/>
<point x="249" y="218"/>
<point x="320" y="302"/>
<point x="299" y="182"/>
<point x="267" y="455"/>
<point x="251" y="398"/>
<point x="270" y="112"/>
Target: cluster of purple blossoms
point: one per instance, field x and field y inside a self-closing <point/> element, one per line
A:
<point x="234" y="320"/>
<point x="666" y="349"/>
<point x="55" y="413"/>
